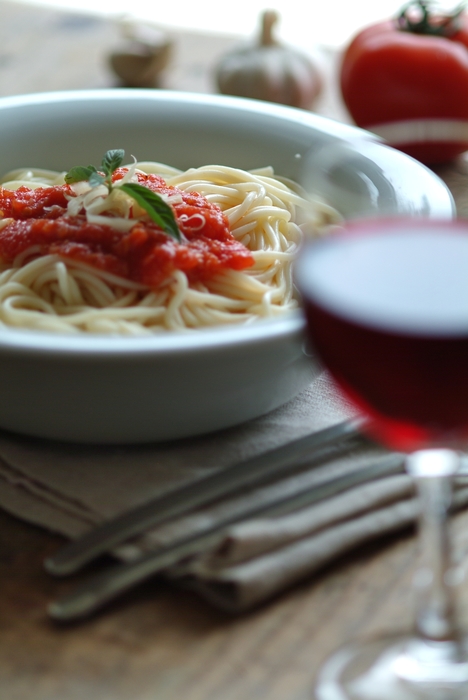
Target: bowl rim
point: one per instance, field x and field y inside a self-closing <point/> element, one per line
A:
<point x="32" y="341"/>
<point x="242" y="104"/>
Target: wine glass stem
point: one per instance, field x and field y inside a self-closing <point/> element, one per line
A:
<point x="435" y="614"/>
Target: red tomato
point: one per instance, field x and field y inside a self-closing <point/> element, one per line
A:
<point x="407" y="81"/>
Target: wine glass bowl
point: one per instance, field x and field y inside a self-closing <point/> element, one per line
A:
<point x="394" y="331"/>
<point x="386" y="303"/>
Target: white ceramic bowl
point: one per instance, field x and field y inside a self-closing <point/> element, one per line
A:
<point x="117" y="390"/>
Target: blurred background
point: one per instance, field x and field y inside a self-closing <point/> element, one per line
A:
<point x="48" y="45"/>
<point x="304" y="23"/>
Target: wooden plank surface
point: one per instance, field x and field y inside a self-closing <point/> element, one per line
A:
<point x="165" y="644"/>
<point x="161" y="643"/>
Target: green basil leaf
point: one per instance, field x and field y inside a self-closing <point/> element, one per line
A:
<point x="159" y="210"/>
<point x="96" y="179"/>
<point x="79" y="173"/>
<point x="112" y="160"/>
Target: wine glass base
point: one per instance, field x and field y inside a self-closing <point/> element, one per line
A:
<point x="402" y="668"/>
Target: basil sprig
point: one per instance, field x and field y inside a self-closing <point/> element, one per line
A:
<point x="157" y="209"/>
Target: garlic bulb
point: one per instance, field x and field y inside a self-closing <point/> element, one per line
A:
<point x="268" y="70"/>
<point x="143" y="60"/>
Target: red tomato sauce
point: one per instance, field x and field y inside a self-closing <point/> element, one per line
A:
<point x="145" y="254"/>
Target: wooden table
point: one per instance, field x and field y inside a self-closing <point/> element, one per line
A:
<point x="160" y="643"/>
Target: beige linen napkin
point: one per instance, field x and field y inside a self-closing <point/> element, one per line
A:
<point x="70" y="488"/>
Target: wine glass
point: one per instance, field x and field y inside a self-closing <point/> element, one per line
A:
<point x="387" y="311"/>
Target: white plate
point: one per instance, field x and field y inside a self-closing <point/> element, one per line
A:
<point x="116" y="390"/>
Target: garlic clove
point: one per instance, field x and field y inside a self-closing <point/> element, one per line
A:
<point x="144" y="57"/>
<point x="269" y="71"/>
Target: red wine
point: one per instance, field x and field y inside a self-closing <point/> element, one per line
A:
<point x="387" y="311"/>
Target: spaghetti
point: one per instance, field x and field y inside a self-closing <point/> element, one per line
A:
<point x="47" y="287"/>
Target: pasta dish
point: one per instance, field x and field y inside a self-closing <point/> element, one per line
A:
<point x="145" y="248"/>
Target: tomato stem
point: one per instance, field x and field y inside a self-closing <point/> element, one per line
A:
<point x="418" y="17"/>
